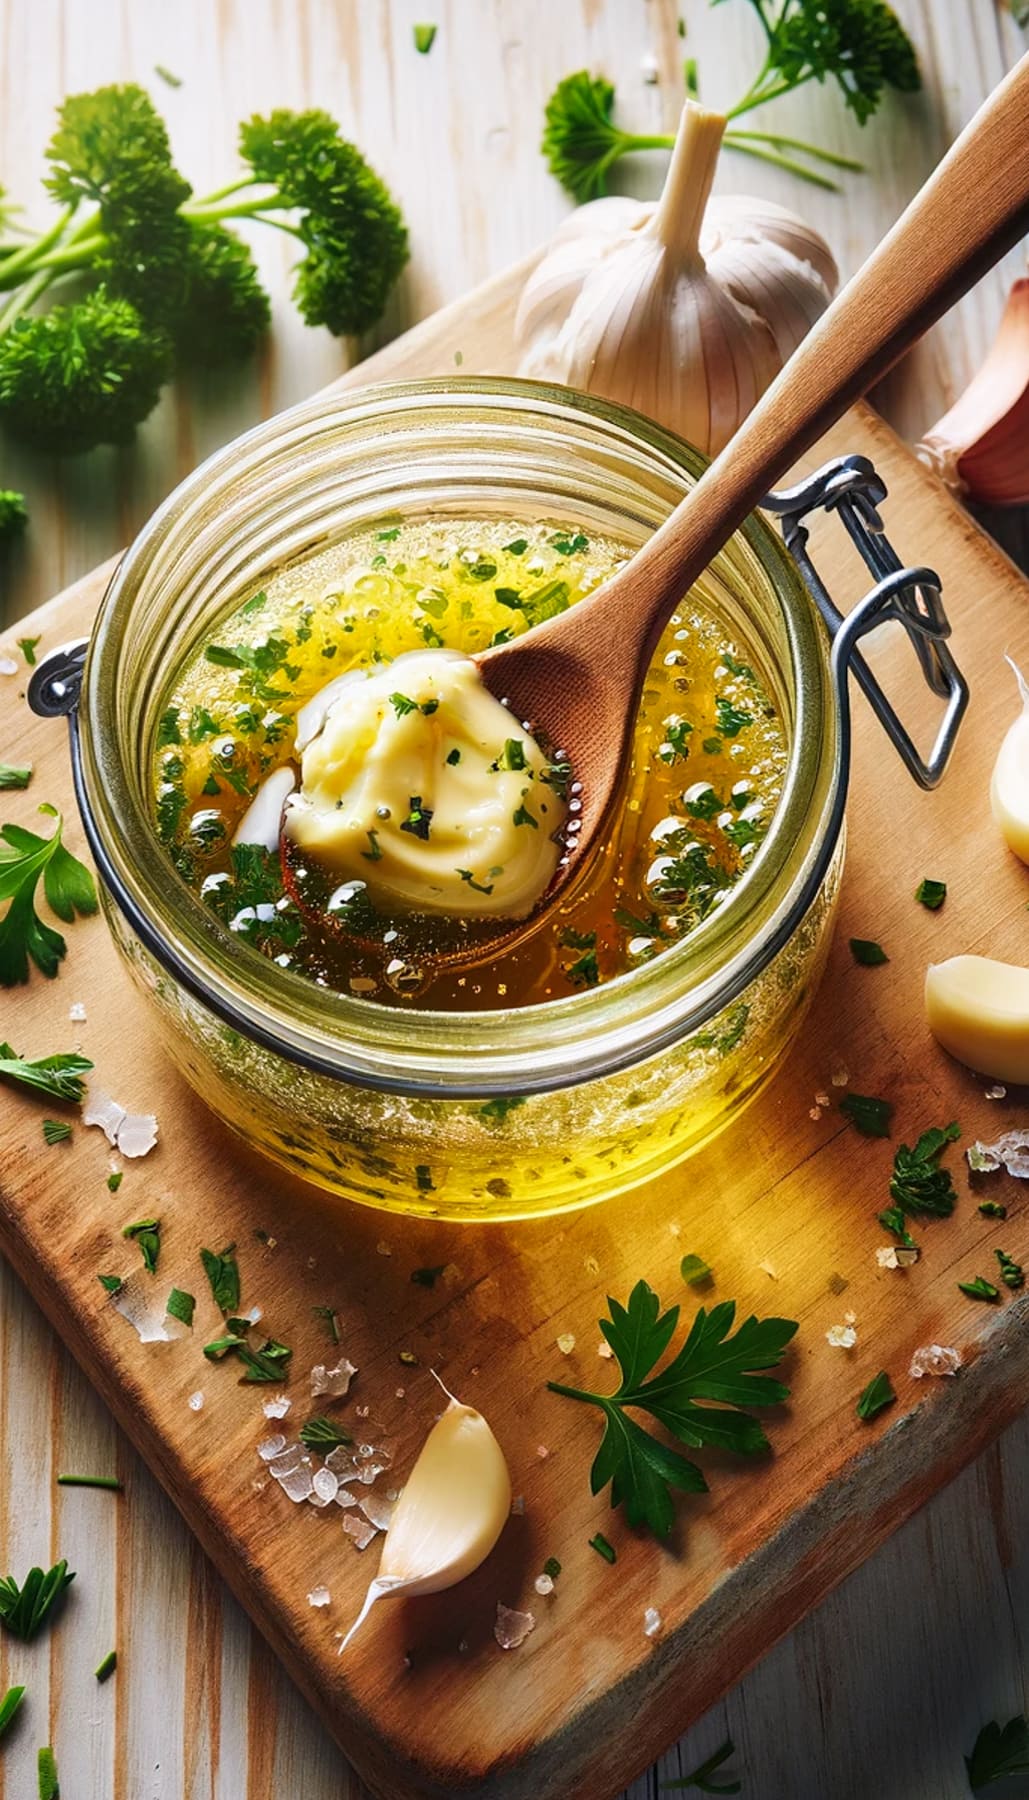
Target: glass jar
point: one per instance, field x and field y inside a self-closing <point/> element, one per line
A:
<point x="494" y="1115"/>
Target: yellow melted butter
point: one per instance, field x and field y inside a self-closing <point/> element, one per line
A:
<point x="708" y="763"/>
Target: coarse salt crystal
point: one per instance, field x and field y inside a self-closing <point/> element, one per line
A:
<point x="399" y="1393"/>
<point x="1011" y="1149"/>
<point x="649" y="69"/>
<point x="334" y="1382"/>
<point x="383" y="1248"/>
<point x="850" y="1318"/>
<point x="272" y="1447"/>
<point x="77" y="1013"/>
<point x="286" y="1461"/>
<point x="591" y="1265"/>
<point x="345" y="1498"/>
<point x="566" y="1343"/>
<point x="544" y="1584"/>
<point x="814" y="1112"/>
<point x="512" y="1627"/>
<point x="821" y="1100"/>
<point x="840" y="1075"/>
<point x="319" y="1596"/>
<point x="377" y="1509"/>
<point x="134" y="1134"/>
<point x="604" y="1349"/>
<point x="362" y="1531"/>
<point x="996" y="1092"/>
<point x="325" y="1487"/>
<point x="841" y="1337"/>
<point x="542" y="1452"/>
<point x="196" y="1401"/>
<point x="934" y="1359"/>
<point x="149" y="1319"/>
<point x="277" y="1408"/>
<point x="674" y="1230"/>
<point x="298" y="1485"/>
<point x="651" y="1622"/>
<point x="518" y="1505"/>
<point x="767" y="1269"/>
<point x="8" y="666"/>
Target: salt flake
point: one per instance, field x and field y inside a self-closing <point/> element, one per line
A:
<point x="1011" y="1149"/>
<point x="896" y="1256"/>
<point x="377" y="1509"/>
<point x="934" y="1359"/>
<point x="299" y="1483"/>
<point x="150" y="1320"/>
<point x="319" y="1596"/>
<point x="841" y="1337"/>
<point x="566" y="1343"/>
<point x="334" y="1382"/>
<point x="77" y="1013"/>
<point x="604" y="1349"/>
<point x="277" y="1408"/>
<point x="512" y="1627"/>
<point x="997" y="1092"/>
<point x="196" y="1401"/>
<point x="361" y="1530"/>
<point x="651" y="1622"/>
<point x="134" y="1134"/>
<point x="544" y="1584"/>
<point x="271" y="1447"/>
<point x="767" y="1269"/>
<point x="8" y="666"/>
<point x="325" y="1487"/>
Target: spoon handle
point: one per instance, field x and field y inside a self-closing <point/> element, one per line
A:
<point x="972" y="209"/>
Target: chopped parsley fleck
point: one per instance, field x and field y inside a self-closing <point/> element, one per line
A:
<point x="522" y="816"/>
<point x="703" y="802"/>
<point x="331" y="1319"/>
<point x="181" y="1306"/>
<point x="111" y="1284"/>
<point x="871" y="1116"/>
<point x="694" y="1270"/>
<point x="992" y="1209"/>
<point x="876" y="1396"/>
<point x="735" y="667"/>
<point x="712" y="746"/>
<point x="168" y="728"/>
<point x="517" y="546"/>
<point x="222" y="1271"/>
<point x="479" y="886"/>
<point x="979" y="1289"/>
<point x="674" y="747"/>
<point x="867" y="952"/>
<point x="454" y="756"/>
<point x="932" y="894"/>
<point x="427" y="1278"/>
<point x="743" y="833"/>
<point x="729" y="719"/>
<point x="1011" y="1273"/>
<point x="478" y="568"/>
<point x="496" y="1111"/>
<point x="115" y="1179"/>
<point x="893" y="1219"/>
<point x="373" y="852"/>
<point x="419" y="818"/>
<point x="600" y="1544"/>
<point x="541" y="603"/>
<point x="512" y="755"/>
<point x="584" y="971"/>
<point x="402" y="705"/>
<point x="501" y="637"/>
<point x="552" y="1568"/>
<point x="729" y="1036"/>
<point x="201" y="725"/>
<point x="918" y="1184"/>
<point x="570" y="545"/>
<point x="27" y="646"/>
<point x="576" y="940"/>
<point x="147" y="1234"/>
<point x="648" y="927"/>
<point x="389" y="536"/>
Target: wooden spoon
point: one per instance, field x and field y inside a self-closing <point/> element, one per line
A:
<point x="579" y="676"/>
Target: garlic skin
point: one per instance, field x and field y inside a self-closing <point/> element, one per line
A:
<point x="449" y="1515"/>
<point x="1009" y="785"/>
<point x="978" y="1010"/>
<point x="980" y="448"/>
<point x="685" y="308"/>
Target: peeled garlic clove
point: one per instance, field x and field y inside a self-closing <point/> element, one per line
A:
<point x="450" y="1513"/>
<point x="980" y="448"/>
<point x="686" y="309"/>
<point x="978" y="1010"/>
<point x="1009" y="786"/>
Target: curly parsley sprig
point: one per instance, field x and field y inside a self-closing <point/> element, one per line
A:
<point x="712" y="1365"/>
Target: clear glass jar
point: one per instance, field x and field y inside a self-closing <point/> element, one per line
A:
<point x="450" y="1115"/>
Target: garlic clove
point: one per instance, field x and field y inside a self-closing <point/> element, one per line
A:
<point x="1009" y="786"/>
<point x="978" y="1010"/>
<point x="450" y="1513"/>
<point x="980" y="448"/>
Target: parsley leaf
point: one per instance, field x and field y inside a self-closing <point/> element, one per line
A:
<point x="918" y="1184"/>
<point x="694" y="1271"/>
<point x="872" y="1117"/>
<point x="222" y="1271"/>
<point x="147" y="1233"/>
<point x="998" y="1751"/>
<point x="24" y="1609"/>
<point x="69" y="888"/>
<point x="702" y="1776"/>
<point x="711" y="1365"/>
<point x="932" y="894"/>
<point x="181" y="1306"/>
<point x="867" y="952"/>
<point x="58" y="1076"/>
<point x="876" y="1396"/>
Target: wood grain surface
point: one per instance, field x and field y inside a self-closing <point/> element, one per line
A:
<point x="881" y="1689"/>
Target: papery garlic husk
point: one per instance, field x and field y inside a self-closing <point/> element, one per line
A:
<point x="450" y="1514"/>
<point x="980" y="448"/>
<point x="685" y="308"/>
<point x="1009" y="784"/>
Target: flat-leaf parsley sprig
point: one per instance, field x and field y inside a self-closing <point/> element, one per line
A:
<point x="69" y="888"/>
<point x="712" y="1365"/>
<point x="999" y="1751"/>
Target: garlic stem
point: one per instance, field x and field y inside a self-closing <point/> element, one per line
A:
<point x="679" y="213"/>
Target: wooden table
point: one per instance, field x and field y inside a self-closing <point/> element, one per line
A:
<point x="878" y="1692"/>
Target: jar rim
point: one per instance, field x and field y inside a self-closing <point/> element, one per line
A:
<point x="554" y="1043"/>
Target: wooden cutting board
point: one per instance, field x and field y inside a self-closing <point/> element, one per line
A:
<point x="783" y="1206"/>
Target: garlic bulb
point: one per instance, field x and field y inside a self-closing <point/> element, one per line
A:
<point x="450" y="1514"/>
<point x="980" y="448"/>
<point x="687" y="308"/>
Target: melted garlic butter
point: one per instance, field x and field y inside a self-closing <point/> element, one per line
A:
<point x="420" y="785"/>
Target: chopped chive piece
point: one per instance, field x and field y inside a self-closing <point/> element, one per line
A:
<point x="1011" y="1273"/>
<point x="147" y="1234"/>
<point x="56" y="1131"/>
<point x="9" y="1706"/>
<point x="173" y="81"/>
<point x="600" y="1544"/>
<point x="91" y="1481"/>
<point x="424" y="38"/>
<point x="27" y="646"/>
<point x="932" y="894"/>
<point x="10" y="777"/>
<point x="979" y="1289"/>
<point x="876" y="1396"/>
<point x="324" y="1435"/>
<point x="105" y="1669"/>
<point x="872" y="1117"/>
<point x="427" y="1278"/>
<point x="867" y="952"/>
<point x="115" y="1179"/>
<point x="694" y="1270"/>
<point x="23" y="1610"/>
<point x="181" y="1306"/>
<point x="112" y="1283"/>
<point x="222" y="1271"/>
<point x="331" y="1318"/>
<point x="992" y="1209"/>
<point x="46" y="1769"/>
